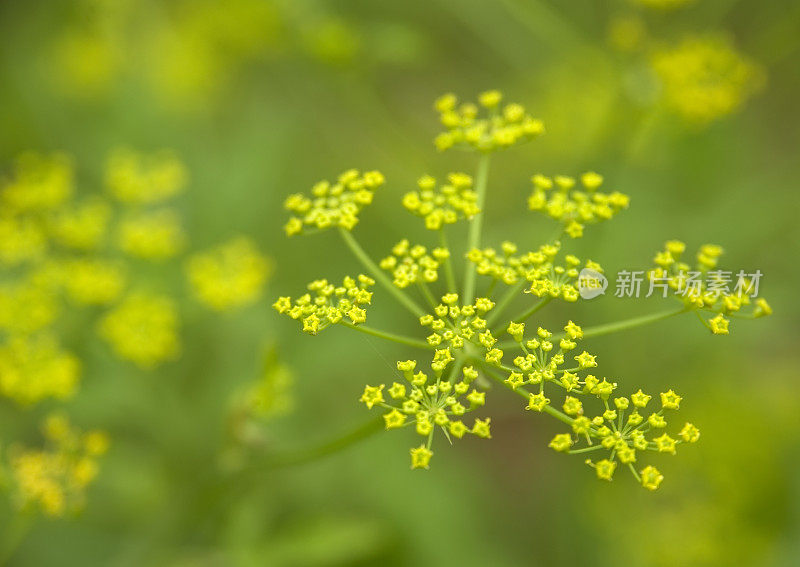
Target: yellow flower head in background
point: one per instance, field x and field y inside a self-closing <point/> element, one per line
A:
<point x="228" y="276"/>
<point x="143" y="328"/>
<point x="27" y="306"/>
<point x="154" y="235"/>
<point x="487" y="126"/>
<point x="54" y="478"/>
<point x="39" y="183"/>
<point x="21" y="240"/>
<point x="332" y="204"/>
<point x="83" y="226"/>
<point x="95" y="282"/>
<point x="574" y="207"/>
<point x="135" y="178"/>
<point x="705" y="78"/>
<point x="35" y="367"/>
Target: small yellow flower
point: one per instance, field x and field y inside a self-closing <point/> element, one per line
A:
<point x="651" y="478"/>
<point x="719" y="325"/>
<point x="394" y="419"/>
<point x="372" y="395"/>
<point x="421" y="457"/>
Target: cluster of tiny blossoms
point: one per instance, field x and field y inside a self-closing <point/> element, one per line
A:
<point x="443" y="204"/>
<point x="61" y="252"/>
<point x="472" y="338"/>
<point x="332" y="204"/>
<point x="54" y="479"/>
<point x="705" y="77"/>
<point x="559" y="199"/>
<point x="486" y="126"/>
<point x="330" y="304"/>
<point x="428" y="402"/>
<point x="538" y="269"/>
<point x="541" y="369"/>
<point x="413" y="264"/>
<point x="706" y="288"/>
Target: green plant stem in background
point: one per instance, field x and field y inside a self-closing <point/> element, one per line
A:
<point x="474" y="238"/>
<point x="13" y="535"/>
<point x="448" y="263"/>
<point x="329" y="447"/>
<point x="388" y="336"/>
<point x="378" y="274"/>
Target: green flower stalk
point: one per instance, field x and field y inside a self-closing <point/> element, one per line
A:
<point x="461" y="325"/>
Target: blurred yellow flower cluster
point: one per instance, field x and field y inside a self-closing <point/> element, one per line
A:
<point x="705" y="78"/>
<point x="485" y="127"/>
<point x="229" y="275"/>
<point x="54" y="479"/>
<point x="143" y="328"/>
<point x="62" y="252"/>
<point x="559" y="199"/>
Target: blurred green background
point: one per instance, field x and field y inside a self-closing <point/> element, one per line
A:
<point x="262" y="98"/>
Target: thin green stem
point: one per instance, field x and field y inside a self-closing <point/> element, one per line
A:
<point x="426" y="292"/>
<point x="585" y="449"/>
<point x="625" y="324"/>
<point x="14" y="535"/>
<point x="474" y="237"/>
<point x="403" y="340"/>
<point x="510" y="295"/>
<point x="378" y="274"/>
<point x="328" y="447"/>
<point x="448" y="263"/>
<point x="615" y="327"/>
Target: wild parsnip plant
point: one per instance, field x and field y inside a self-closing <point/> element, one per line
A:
<point x="468" y="340"/>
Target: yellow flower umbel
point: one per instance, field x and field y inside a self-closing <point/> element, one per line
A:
<point x="705" y="78"/>
<point x="574" y="207"/>
<point x="430" y="401"/>
<point x="27" y="306"/>
<point x="155" y="235"/>
<point x="330" y="305"/>
<point x="228" y="276"/>
<point x="138" y="179"/>
<point x="93" y="282"/>
<point x="332" y="204"/>
<point x="143" y="329"/>
<point x="413" y="264"/>
<point x="443" y="204"/>
<point x="40" y="183"/>
<point x="705" y="288"/>
<point x="83" y="226"/>
<point x="538" y="270"/>
<point x="21" y="240"/>
<point x="467" y="327"/>
<point x="54" y="479"/>
<point x="623" y="435"/>
<point x="487" y="126"/>
<point x="34" y="367"/>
